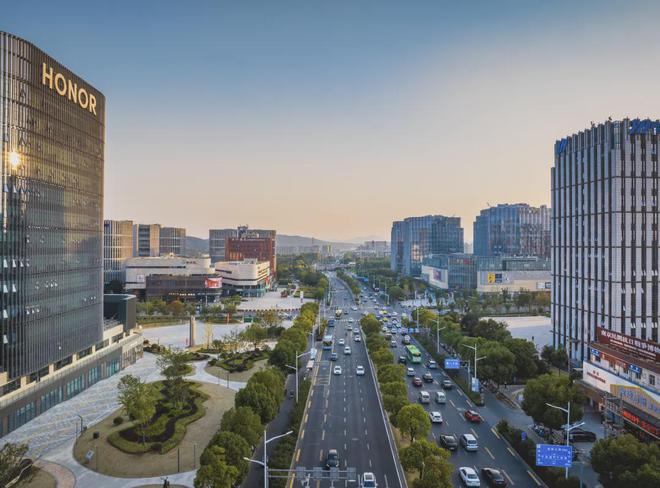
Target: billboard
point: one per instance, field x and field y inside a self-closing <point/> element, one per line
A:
<point x="213" y="283"/>
<point x="637" y="347"/>
<point x="554" y="455"/>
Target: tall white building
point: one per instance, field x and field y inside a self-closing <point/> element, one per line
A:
<point x="605" y="234"/>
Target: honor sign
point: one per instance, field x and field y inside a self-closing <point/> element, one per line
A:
<point x="67" y="88"/>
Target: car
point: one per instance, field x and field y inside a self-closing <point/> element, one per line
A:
<point x="469" y="477"/>
<point x="417" y="381"/>
<point x="357" y="338"/>
<point x="493" y="477"/>
<point x="333" y="356"/>
<point x="424" y="397"/>
<point x="359" y="371"/>
<point x="394" y="314"/>
<point x="402" y="360"/>
<point x="341" y="342"/>
<point x="541" y="431"/>
<point x="395" y="321"/>
<point x="473" y="416"/>
<point x="406" y="340"/>
<point x="427" y="377"/>
<point x="349" y="327"/>
<point x="347" y="350"/>
<point x="337" y="370"/>
<point x="354" y="308"/>
<point x="384" y="330"/>
<point x="440" y="397"/>
<point x="351" y="320"/>
<point x="368" y="481"/>
<point x="469" y="442"/>
<point x="436" y="417"/>
<point x="332" y="460"/>
<point x="410" y="371"/>
<point x="431" y="364"/>
<point x="581" y="435"/>
<point x="449" y="441"/>
<point x="447" y="384"/>
<point x="392" y="343"/>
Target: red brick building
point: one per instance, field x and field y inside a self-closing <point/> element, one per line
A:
<point x="258" y="245"/>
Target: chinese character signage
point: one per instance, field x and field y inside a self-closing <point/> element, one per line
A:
<point x="554" y="455"/>
<point x="451" y="363"/>
<point x="638" y="347"/>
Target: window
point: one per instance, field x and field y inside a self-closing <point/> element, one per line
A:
<point x="94" y="375"/>
<point x="51" y="399"/>
<point x="113" y="367"/>
<point x="651" y="380"/>
<point x="21" y="416"/>
<point x="74" y="387"/>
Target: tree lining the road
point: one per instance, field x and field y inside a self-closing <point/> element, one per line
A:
<point x="556" y="390"/>
<point x="625" y="461"/>
<point x="431" y="463"/>
<point x="413" y="421"/>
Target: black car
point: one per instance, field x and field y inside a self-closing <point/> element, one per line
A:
<point x="332" y="461"/>
<point x="427" y="377"/>
<point x="581" y="435"/>
<point x="449" y="441"/>
<point x="493" y="477"/>
<point x="447" y="384"/>
<point x="403" y="360"/>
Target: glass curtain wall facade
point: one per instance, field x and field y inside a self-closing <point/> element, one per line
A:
<point x="52" y="156"/>
<point x="218" y="243"/>
<point x="146" y="240"/>
<point x="605" y="234"/>
<point x="513" y="230"/>
<point x="424" y="236"/>
<point x="172" y="241"/>
<point x="117" y="248"/>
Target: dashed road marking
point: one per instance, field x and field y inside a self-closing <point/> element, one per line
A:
<point x="452" y="403"/>
<point x="321" y="455"/>
<point x="325" y="417"/>
<point x="298" y="455"/>
<point x="492" y="429"/>
<point x="508" y="477"/>
<point x="473" y="432"/>
<point x="511" y="451"/>
<point x="489" y="453"/>
<point x="323" y="435"/>
<point x="531" y="475"/>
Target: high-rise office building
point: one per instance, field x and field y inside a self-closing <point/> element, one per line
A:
<point x="146" y="240"/>
<point x="415" y="238"/>
<point x="256" y="244"/>
<point x="513" y="230"/>
<point x="172" y="241"/>
<point x="52" y="126"/>
<point x="117" y="248"/>
<point x="605" y="235"/>
<point x="218" y="243"/>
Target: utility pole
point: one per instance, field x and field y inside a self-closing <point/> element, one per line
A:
<point x="264" y="463"/>
<point x="474" y="348"/>
<point x="569" y="427"/>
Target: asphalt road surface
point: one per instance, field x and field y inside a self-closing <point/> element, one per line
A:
<point x="343" y="411"/>
<point x="493" y="451"/>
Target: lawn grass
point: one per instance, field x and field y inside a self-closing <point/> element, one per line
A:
<point x="112" y="461"/>
<point x="164" y="433"/>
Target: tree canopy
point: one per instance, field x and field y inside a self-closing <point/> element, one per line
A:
<point x="414" y="421"/>
<point x="556" y="390"/>
<point x="625" y="461"/>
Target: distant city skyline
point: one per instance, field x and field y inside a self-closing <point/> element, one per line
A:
<point x="332" y="120"/>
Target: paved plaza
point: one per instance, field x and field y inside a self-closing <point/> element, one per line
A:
<point x="51" y="436"/>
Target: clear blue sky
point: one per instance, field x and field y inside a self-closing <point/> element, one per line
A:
<point x="334" y="118"/>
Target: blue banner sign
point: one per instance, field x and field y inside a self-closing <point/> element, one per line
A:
<point x="635" y="369"/>
<point x="452" y="363"/>
<point x="643" y="126"/>
<point x="554" y="455"/>
<point x="474" y="385"/>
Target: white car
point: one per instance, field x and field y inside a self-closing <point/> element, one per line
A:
<point x="368" y="481"/>
<point x="357" y="338"/>
<point x="337" y="370"/>
<point x="410" y="372"/>
<point x="354" y="308"/>
<point x="341" y="342"/>
<point x="436" y="417"/>
<point x="351" y="320"/>
<point x="469" y="476"/>
<point x="359" y="371"/>
<point x="347" y="350"/>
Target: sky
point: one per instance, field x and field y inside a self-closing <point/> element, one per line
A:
<point x="331" y="119"/>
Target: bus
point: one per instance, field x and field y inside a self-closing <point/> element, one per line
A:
<point x="338" y="313"/>
<point x="414" y="356"/>
<point x="327" y="342"/>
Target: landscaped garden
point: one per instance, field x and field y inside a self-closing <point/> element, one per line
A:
<point x="238" y="362"/>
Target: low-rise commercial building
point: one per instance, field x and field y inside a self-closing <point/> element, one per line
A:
<point x="138" y="270"/>
<point x="185" y="288"/>
<point x="487" y="274"/>
<point x="249" y="277"/>
<point x="622" y="377"/>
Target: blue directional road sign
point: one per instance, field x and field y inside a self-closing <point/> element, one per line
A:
<point x="554" y="455"/>
<point x="452" y="363"/>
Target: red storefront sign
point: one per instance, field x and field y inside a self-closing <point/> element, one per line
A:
<point x="641" y="423"/>
<point x="643" y="349"/>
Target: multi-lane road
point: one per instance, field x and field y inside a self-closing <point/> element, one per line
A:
<point x="493" y="451"/>
<point x="344" y="412"/>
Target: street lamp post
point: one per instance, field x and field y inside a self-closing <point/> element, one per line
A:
<point x="474" y="348"/>
<point x="264" y="463"/>
<point x="569" y="427"/>
<point x="437" y="334"/>
<point x="295" y="370"/>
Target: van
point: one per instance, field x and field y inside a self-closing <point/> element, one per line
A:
<point x="406" y="340"/>
<point x="469" y="442"/>
<point x="424" y="397"/>
<point x="440" y="397"/>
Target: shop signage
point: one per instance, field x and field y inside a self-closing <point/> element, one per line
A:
<point x="640" y="422"/>
<point x="638" y="347"/>
<point x="67" y="88"/>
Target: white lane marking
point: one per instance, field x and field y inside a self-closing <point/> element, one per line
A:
<point x="508" y="477"/>
<point x="475" y="434"/>
<point x="489" y="453"/>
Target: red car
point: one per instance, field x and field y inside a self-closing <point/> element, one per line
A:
<point x="472" y="416"/>
<point x="417" y="381"/>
